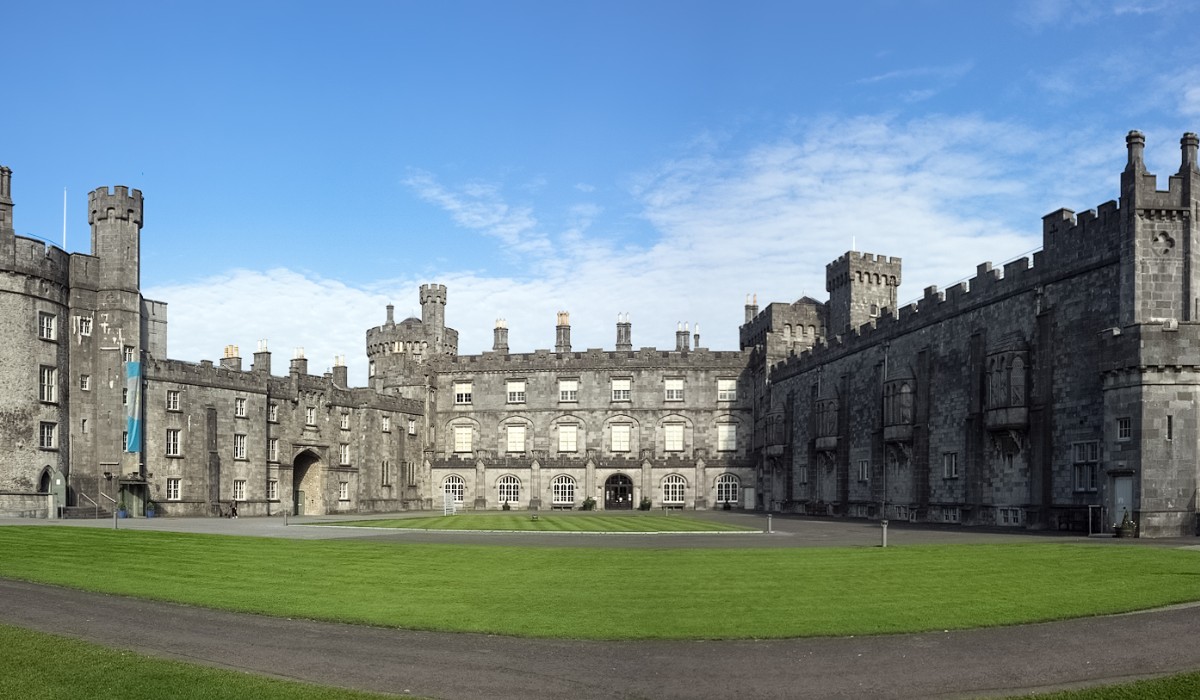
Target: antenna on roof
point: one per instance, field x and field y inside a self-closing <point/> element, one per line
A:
<point x="853" y="244"/>
<point x="64" y="219"/>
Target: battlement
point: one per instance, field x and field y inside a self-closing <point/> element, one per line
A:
<point x="862" y="268"/>
<point x="37" y="260"/>
<point x="120" y="203"/>
<point x="594" y="359"/>
<point x="433" y="293"/>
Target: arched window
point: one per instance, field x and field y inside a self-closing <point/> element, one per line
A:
<point x="508" y="489"/>
<point x="729" y="489"/>
<point x="455" y="487"/>
<point x="563" y="488"/>
<point x="1016" y="389"/>
<point x="673" y="488"/>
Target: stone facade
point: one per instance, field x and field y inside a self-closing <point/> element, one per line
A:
<point x="1057" y="392"/>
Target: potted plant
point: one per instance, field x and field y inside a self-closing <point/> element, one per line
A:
<point x="1127" y="528"/>
<point x="645" y="504"/>
<point x="589" y="503"/>
<point x="122" y="510"/>
<point x="505" y="506"/>
<point x="151" y="508"/>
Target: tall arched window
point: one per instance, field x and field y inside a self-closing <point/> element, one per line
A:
<point x="563" y="490"/>
<point x="729" y="489"/>
<point x="508" y="489"/>
<point x="673" y="488"/>
<point x="455" y="487"/>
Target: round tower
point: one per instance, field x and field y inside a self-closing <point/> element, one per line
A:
<point x="116" y="220"/>
<point x="433" y="307"/>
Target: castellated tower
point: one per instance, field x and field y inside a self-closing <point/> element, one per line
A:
<point x="1160" y="260"/>
<point x="400" y="353"/>
<point x="860" y="286"/>
<point x="116" y="220"/>
<point x="433" y="308"/>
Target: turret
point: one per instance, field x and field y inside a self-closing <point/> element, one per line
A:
<point x="116" y="220"/>
<point x="433" y="308"/>
<point x="562" y="333"/>
<point x="6" y="202"/>
<point x="860" y="286"/>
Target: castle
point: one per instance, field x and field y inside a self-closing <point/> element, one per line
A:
<point x="1056" y="393"/>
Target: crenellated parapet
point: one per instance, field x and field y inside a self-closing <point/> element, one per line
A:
<point x="595" y="359"/>
<point x="118" y="203"/>
<point x="864" y="268"/>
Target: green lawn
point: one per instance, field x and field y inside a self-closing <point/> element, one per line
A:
<point x="553" y="523"/>
<point x="35" y="666"/>
<point x="611" y="593"/>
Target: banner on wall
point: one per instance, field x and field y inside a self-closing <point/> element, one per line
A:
<point x="133" y="406"/>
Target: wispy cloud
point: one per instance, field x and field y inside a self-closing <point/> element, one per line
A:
<point x="480" y="207"/>
<point x="940" y="73"/>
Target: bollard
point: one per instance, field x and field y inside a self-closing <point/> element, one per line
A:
<point x="883" y="523"/>
<point x="769" y="528"/>
<point x="285" y="518"/>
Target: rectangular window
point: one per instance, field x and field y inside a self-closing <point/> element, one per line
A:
<point x="124" y="440"/>
<point x="515" y="441"/>
<point x="85" y="325"/>
<point x="127" y="353"/>
<point x="48" y="384"/>
<point x="1124" y="428"/>
<point x="273" y="413"/>
<point x="343" y="490"/>
<point x="173" y="489"/>
<point x="385" y="423"/>
<point x="462" y="393"/>
<point x="462" y="438"/>
<point x="1170" y="427"/>
<point x="412" y="426"/>
<point x="804" y="475"/>
<point x="239" y="446"/>
<point x="674" y="389"/>
<point x="344" y="454"/>
<point x="726" y="389"/>
<point x="344" y="421"/>
<point x="272" y="490"/>
<point x="124" y="397"/>
<point x="173" y="442"/>
<point x="85" y="382"/>
<point x="620" y="438"/>
<point x="673" y="437"/>
<point x="949" y="465"/>
<point x="310" y="415"/>
<point x="172" y="400"/>
<point x="48" y="436"/>
<point x="239" y="408"/>
<point x="726" y="437"/>
<point x="568" y="390"/>
<point x="568" y="438"/>
<point x="239" y="489"/>
<point x="516" y="391"/>
<point x="385" y="473"/>
<point x="864" y="470"/>
<point x="273" y="450"/>
<point x="47" y="326"/>
<point x="621" y="389"/>
<point x="1085" y="465"/>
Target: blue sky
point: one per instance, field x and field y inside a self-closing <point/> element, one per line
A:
<point x="305" y="164"/>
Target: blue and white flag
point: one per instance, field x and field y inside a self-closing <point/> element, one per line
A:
<point x="133" y="406"/>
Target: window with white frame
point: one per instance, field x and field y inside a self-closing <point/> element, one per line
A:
<point x="455" y="487"/>
<point x="1085" y="465"/>
<point x="1008" y="516"/>
<point x="508" y="489"/>
<point x="239" y="489"/>
<point x="85" y="326"/>
<point x="85" y="382"/>
<point x="950" y="514"/>
<point x="173" y="448"/>
<point x="273" y="449"/>
<point x="310" y="415"/>
<point x="172" y="400"/>
<point x="568" y="438"/>
<point x="568" y="390"/>
<point x="344" y="421"/>
<point x="562" y="490"/>
<point x="864" y="470"/>
<point x="726" y="437"/>
<point x="802" y="474"/>
<point x="343" y="490"/>
<point x="949" y="465"/>
<point x="48" y="436"/>
<point x="47" y="326"/>
<point x="514" y="438"/>
<point x="412" y="426"/>
<point x="673" y="488"/>
<point x="239" y="408"/>
<point x="273" y="413"/>
<point x="462" y="438"/>
<point x="621" y="389"/>
<point x="726" y="389"/>
<point x="462" y="393"/>
<point x="620" y="438"/>
<point x="1124" y="428"/>
<point x="173" y="484"/>
<point x="516" y="390"/>
<point x="343" y="454"/>
<point x="729" y="489"/>
<point x="385" y="423"/>
<point x="127" y="353"/>
<point x="673" y="437"/>
<point x="48" y="384"/>
<point x="239" y="446"/>
<point x="272" y="490"/>
<point x="674" y="389"/>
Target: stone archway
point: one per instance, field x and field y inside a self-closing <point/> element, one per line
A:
<point x="308" y="483"/>
<point x="618" y="492"/>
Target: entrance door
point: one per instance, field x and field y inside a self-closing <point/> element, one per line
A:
<point x="618" y="493"/>
<point x="298" y="504"/>
<point x="1122" y="498"/>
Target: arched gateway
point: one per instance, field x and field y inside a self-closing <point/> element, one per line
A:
<point x="307" y="484"/>
<point x="618" y="492"/>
